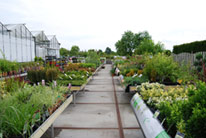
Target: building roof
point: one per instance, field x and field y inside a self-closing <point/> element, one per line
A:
<point x="50" y="36"/>
<point x="12" y="26"/>
<point x="35" y="33"/>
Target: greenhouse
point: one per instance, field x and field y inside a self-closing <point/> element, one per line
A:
<point x="54" y="46"/>
<point x="16" y="43"/>
<point x="42" y="43"/>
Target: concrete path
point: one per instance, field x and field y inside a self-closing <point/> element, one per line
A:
<point x="102" y="111"/>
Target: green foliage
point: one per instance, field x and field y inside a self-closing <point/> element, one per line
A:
<point x="51" y="74"/>
<point x="129" y="41"/>
<point x="6" y="66"/>
<point x="64" y="52"/>
<point x="23" y="110"/>
<point x="193" y="47"/>
<point x="186" y="75"/>
<point x="88" y="65"/>
<point x="187" y="115"/>
<point x="112" y="71"/>
<point x="200" y="65"/>
<point x="38" y="59"/>
<point x="168" y="52"/>
<point x="199" y="62"/>
<point x="93" y="57"/>
<point x="108" y="50"/>
<point x="83" y="53"/>
<point x="148" y="46"/>
<point x="47" y="74"/>
<point x="135" y="80"/>
<point x="75" y="77"/>
<point x="74" y="51"/>
<point x="161" y="68"/>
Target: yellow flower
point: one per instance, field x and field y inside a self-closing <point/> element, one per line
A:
<point x="179" y="81"/>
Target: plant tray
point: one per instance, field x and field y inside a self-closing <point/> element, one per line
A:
<point x="79" y="88"/>
<point x="133" y="88"/>
<point x="43" y="128"/>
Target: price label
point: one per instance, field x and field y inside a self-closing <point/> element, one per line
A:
<point x="156" y="114"/>
<point x="70" y="77"/>
<point x="43" y="82"/>
<point x="179" y="135"/>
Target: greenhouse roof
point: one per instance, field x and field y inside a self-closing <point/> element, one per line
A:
<point x="35" y="33"/>
<point x="50" y="36"/>
<point x="12" y="26"/>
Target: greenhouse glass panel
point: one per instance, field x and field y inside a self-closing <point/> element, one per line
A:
<point x="1" y="40"/>
<point x="6" y="46"/>
<point x="13" y="47"/>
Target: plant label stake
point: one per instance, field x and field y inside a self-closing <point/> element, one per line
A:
<point x="179" y="135"/>
<point x="70" y="77"/>
<point x="43" y="82"/>
<point x="156" y="114"/>
<point x="55" y="83"/>
<point x="69" y="86"/>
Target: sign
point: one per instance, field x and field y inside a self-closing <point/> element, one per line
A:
<point x="150" y="125"/>
<point x="179" y="135"/>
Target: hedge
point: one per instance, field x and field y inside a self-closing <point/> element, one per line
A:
<point x="193" y="47"/>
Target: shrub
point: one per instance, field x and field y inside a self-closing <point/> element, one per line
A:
<point x="161" y="68"/>
<point x="51" y="74"/>
<point x="135" y="80"/>
<point x="193" y="47"/>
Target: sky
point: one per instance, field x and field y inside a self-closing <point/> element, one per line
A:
<point x="97" y="24"/>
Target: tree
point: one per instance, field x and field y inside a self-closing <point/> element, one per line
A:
<point x="130" y="41"/>
<point x="100" y="52"/>
<point x="93" y="57"/>
<point x="74" y="51"/>
<point x="83" y="53"/>
<point x="64" y="52"/>
<point x="108" y="50"/>
<point x="148" y="46"/>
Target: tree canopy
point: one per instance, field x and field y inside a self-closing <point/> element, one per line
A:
<point x="64" y="52"/>
<point x="74" y="51"/>
<point x="108" y="50"/>
<point x="148" y="46"/>
<point x="130" y="41"/>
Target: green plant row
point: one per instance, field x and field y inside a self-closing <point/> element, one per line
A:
<point x="27" y="108"/>
<point x="47" y="74"/>
<point x="75" y="78"/>
<point x="193" y="47"/>
<point x="7" y="66"/>
<point x="184" y="108"/>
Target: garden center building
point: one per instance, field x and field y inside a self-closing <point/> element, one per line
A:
<point x="18" y="43"/>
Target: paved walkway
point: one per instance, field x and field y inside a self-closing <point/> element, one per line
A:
<point x="102" y="111"/>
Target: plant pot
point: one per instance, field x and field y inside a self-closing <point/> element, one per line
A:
<point x="50" y="110"/>
<point x="4" y="74"/>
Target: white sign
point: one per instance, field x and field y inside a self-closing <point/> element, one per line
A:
<point x="150" y="125"/>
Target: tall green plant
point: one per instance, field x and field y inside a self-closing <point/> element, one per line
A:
<point x="161" y="68"/>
